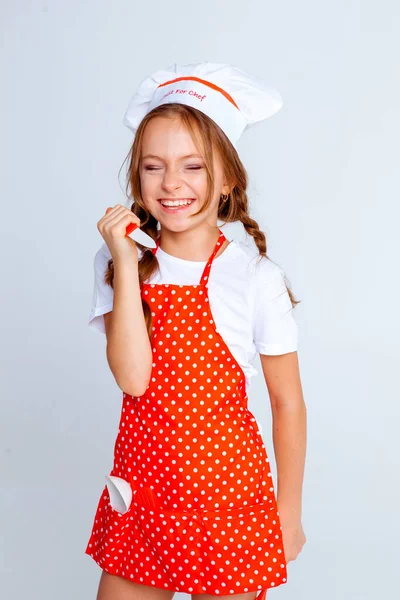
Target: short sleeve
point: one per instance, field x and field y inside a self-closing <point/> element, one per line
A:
<point x="103" y="294"/>
<point x="274" y="328"/>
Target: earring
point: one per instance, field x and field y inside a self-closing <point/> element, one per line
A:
<point x="225" y="198"/>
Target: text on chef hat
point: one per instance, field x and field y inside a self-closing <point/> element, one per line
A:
<point x="188" y="92"/>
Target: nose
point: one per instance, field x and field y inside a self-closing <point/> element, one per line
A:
<point x="171" y="180"/>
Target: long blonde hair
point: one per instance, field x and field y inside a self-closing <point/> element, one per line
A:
<point x="231" y="209"/>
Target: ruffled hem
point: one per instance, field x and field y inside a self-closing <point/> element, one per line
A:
<point x="210" y="551"/>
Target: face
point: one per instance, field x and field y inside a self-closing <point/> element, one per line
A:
<point x="171" y="169"/>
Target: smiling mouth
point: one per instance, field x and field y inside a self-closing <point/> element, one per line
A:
<point x="176" y="204"/>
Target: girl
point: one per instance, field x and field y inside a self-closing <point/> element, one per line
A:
<point x="189" y="505"/>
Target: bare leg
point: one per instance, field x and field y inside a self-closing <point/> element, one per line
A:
<point x="247" y="596"/>
<point x="114" y="587"/>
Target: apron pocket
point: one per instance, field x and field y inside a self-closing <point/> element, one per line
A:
<point x="175" y="540"/>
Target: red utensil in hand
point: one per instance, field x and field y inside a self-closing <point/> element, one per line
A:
<point x="135" y="233"/>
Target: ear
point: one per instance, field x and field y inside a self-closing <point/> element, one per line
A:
<point x="226" y="188"/>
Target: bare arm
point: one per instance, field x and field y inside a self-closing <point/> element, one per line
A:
<point x="129" y="351"/>
<point x="289" y="431"/>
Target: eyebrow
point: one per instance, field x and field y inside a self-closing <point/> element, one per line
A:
<point x="182" y="157"/>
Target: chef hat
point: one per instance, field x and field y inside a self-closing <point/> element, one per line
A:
<point x="231" y="97"/>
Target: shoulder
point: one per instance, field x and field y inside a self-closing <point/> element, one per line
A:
<point x="262" y="274"/>
<point x="273" y="325"/>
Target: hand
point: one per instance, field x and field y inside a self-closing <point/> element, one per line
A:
<point x="293" y="539"/>
<point x="113" y="227"/>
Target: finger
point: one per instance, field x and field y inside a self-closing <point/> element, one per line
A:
<point x="110" y="214"/>
<point x="114" y="209"/>
<point x="126" y="218"/>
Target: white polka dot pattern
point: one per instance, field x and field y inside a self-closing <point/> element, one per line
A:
<point x="203" y="517"/>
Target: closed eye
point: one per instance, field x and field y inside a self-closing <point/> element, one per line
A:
<point x="192" y="168"/>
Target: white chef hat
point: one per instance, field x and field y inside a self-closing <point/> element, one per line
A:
<point x="234" y="99"/>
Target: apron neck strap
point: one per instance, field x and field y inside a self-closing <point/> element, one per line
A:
<point x="206" y="272"/>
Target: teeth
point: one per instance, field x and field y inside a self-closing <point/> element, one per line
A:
<point x="176" y="202"/>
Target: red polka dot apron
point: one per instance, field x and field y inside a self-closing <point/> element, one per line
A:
<point x="203" y="517"/>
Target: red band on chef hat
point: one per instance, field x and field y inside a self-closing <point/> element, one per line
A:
<point x="211" y="85"/>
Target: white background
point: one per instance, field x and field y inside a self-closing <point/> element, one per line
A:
<point x="324" y="187"/>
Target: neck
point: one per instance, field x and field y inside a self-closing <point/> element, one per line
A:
<point x="194" y="245"/>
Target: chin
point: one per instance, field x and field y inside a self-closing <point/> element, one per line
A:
<point x="175" y="227"/>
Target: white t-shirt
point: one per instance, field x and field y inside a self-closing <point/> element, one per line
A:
<point x="249" y="301"/>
